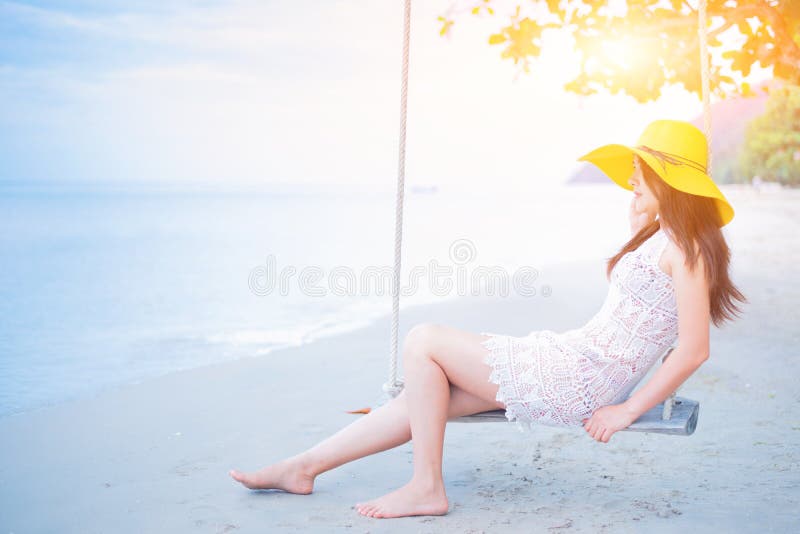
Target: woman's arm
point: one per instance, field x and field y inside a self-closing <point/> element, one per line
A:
<point x="692" y="299"/>
<point x="668" y="377"/>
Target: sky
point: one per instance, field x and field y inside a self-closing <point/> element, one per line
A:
<point x="247" y="93"/>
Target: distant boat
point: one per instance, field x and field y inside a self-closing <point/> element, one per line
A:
<point x="424" y="189"/>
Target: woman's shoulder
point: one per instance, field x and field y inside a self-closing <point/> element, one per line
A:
<point x="676" y="258"/>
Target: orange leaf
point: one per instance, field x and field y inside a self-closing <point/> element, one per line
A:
<point x="362" y="410"/>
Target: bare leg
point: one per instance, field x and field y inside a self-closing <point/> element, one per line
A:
<point x="428" y="396"/>
<point x="434" y="358"/>
<point x="382" y="429"/>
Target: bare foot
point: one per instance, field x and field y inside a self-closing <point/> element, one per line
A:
<point x="289" y="475"/>
<point x="411" y="499"/>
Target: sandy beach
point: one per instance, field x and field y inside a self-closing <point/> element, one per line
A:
<point x="154" y="456"/>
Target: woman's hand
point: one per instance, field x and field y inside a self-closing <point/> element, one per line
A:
<point x="637" y="219"/>
<point x="607" y="420"/>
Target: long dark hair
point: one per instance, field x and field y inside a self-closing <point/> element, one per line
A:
<point x="691" y="218"/>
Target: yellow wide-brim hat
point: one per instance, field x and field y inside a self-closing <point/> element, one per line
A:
<point x="676" y="150"/>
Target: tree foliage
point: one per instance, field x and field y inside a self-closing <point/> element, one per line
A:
<point x="653" y="44"/>
<point x="772" y="141"/>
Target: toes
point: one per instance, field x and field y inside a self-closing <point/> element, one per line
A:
<point x="368" y="510"/>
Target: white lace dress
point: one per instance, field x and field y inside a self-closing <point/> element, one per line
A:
<point x="559" y="379"/>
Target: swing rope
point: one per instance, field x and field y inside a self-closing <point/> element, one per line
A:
<point x="705" y="76"/>
<point x="393" y="386"/>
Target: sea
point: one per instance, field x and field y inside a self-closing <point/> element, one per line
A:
<point x="102" y="286"/>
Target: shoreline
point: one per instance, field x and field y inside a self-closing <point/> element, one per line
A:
<point x="352" y="327"/>
<point x="348" y="326"/>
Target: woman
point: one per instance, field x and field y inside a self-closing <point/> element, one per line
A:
<point x="670" y="279"/>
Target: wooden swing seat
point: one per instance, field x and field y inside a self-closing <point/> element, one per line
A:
<point x="681" y="422"/>
<point x="676" y="415"/>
